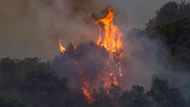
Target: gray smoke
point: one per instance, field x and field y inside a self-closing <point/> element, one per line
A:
<point x="73" y="21"/>
<point x="148" y="59"/>
<point x="145" y="58"/>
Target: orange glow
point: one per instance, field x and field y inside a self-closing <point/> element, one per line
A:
<point x="61" y="47"/>
<point x="115" y="81"/>
<point x="87" y="92"/>
<point x="111" y="39"/>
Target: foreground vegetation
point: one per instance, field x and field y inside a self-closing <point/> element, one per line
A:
<point x="31" y="83"/>
<point x="172" y="26"/>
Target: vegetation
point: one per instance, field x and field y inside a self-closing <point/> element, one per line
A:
<point x="31" y="83"/>
<point x="172" y="25"/>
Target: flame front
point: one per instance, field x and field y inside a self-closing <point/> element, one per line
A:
<point x="61" y="47"/>
<point x="111" y="37"/>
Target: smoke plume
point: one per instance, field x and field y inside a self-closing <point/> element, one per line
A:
<point x="145" y="58"/>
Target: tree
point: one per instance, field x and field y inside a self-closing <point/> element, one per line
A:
<point x="165" y="96"/>
<point x="135" y="98"/>
<point x="30" y="82"/>
<point x="172" y="26"/>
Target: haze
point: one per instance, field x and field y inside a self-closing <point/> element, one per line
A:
<point x="23" y="32"/>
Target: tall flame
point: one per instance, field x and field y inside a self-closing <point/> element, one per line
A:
<point x="111" y="39"/>
<point x="61" y="47"/>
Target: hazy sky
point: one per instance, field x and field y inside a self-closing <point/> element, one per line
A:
<point x="140" y="11"/>
<point x="23" y="33"/>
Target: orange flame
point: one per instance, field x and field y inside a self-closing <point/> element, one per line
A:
<point x="111" y="40"/>
<point x="87" y="92"/>
<point x="61" y="47"/>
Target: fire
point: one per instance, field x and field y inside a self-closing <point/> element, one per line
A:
<point x="61" y="47"/>
<point x="111" y="39"/>
<point x="87" y="92"/>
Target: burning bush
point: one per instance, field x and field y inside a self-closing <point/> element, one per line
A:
<point x="94" y="65"/>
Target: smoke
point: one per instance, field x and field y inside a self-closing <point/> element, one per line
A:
<point x="30" y="28"/>
<point x="68" y="19"/>
<point x="73" y="20"/>
<point x="147" y="59"/>
<point x="86" y="61"/>
<point x="144" y="58"/>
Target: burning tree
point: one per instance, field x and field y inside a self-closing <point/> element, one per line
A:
<point x="97" y="65"/>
